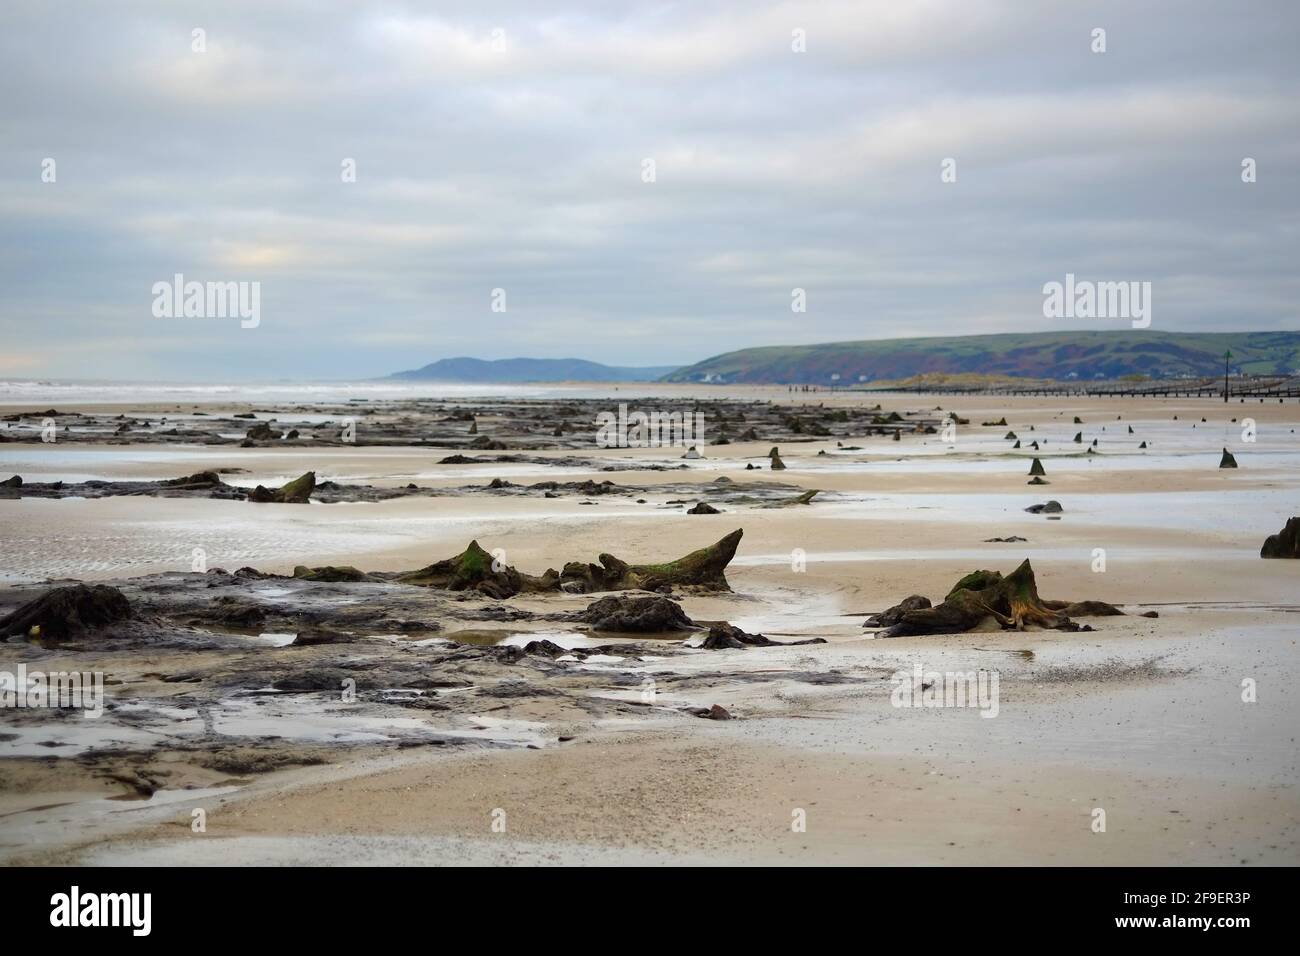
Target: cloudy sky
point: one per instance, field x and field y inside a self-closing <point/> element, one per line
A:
<point x="499" y="146"/>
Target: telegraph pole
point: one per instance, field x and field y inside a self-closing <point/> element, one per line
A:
<point x="1226" y="356"/>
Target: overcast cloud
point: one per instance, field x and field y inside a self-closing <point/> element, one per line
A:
<point x="521" y="168"/>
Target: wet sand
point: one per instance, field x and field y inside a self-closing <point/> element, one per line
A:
<point x="1141" y="717"/>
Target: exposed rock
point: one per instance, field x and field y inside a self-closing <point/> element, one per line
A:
<point x="703" y="508"/>
<point x="15" y="482"/>
<point x="777" y="463"/>
<point x="297" y="491"/>
<point x="200" y="480"/>
<point x="68" y="612"/>
<point x="1227" y="461"/>
<point x="624" y="612"/>
<point x="803" y="499"/>
<point x="724" y="636"/>
<point x="234" y="612"/>
<point x="895" y="614"/>
<point x="1284" y="544"/>
<point x="1090" y="609"/>
<point x="1036" y="468"/>
<point x="1046" y="508"/>
<point x="313" y="636"/>
<point x="1037" y="480"/>
<point x="330" y="572"/>
<point x="1007" y="540"/>
<point x="262" y="432"/>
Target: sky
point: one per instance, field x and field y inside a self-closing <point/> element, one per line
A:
<point x="505" y="146"/>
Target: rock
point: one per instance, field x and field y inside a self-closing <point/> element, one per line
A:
<point x="692" y="454"/>
<point x="483" y="442"/>
<point x="1078" y="420"/>
<point x="1149" y="614"/>
<point x="718" y="712"/>
<point x="262" y="432"/>
<point x="1227" y="461"/>
<point x="1036" y="480"/>
<point x="297" y="491"/>
<point x="200" y="479"/>
<point x="1078" y="438"/>
<point x="1143" y="445"/>
<point x="314" y="636"/>
<point x="1047" y="508"/>
<point x="68" y="612"/>
<point x="1007" y="540"/>
<point x="1284" y="544"/>
<point x="330" y="573"/>
<point x="644" y="615"/>
<point x="15" y="482"/>
<point x="235" y="612"/>
<point x="1036" y="468"/>
<point x="893" y="615"/>
<point x="777" y="463"/>
<point x="1010" y="436"/>
<point x="1091" y="609"/>
<point x="457" y="460"/>
<point x="703" y="509"/>
<point x="721" y="637"/>
<point x="724" y="636"/>
<point x="544" y="648"/>
<point x="803" y="499"/>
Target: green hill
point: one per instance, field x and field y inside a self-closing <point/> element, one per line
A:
<point x="1046" y="355"/>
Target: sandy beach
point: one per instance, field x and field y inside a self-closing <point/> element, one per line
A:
<point x="1141" y="717"/>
